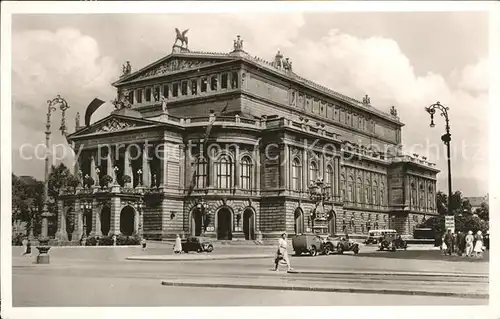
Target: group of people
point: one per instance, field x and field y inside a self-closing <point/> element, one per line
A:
<point x="463" y="244"/>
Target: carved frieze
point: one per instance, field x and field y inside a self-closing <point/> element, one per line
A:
<point x="176" y="65"/>
<point x="114" y="125"/>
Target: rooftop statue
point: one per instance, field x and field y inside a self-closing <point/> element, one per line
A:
<point x="181" y="37"/>
<point x="393" y="111"/>
<point x="127" y="68"/>
<point x="366" y="100"/>
<point x="238" y="44"/>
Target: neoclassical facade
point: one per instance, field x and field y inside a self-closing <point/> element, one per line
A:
<point x="227" y="145"/>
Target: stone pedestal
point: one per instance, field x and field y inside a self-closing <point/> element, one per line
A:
<point x="43" y="252"/>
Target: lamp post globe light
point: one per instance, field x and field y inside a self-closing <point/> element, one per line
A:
<point x="43" y="240"/>
<point x="202" y="205"/>
<point x="318" y="193"/>
<point x="446" y="138"/>
<point x="85" y="206"/>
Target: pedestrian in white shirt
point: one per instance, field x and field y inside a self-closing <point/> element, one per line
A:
<point x="282" y="253"/>
<point x="469" y="244"/>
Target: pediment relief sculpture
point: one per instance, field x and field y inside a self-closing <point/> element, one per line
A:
<point x="176" y="65"/>
<point x="113" y="125"/>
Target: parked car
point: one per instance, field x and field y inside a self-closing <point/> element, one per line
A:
<point x="343" y="244"/>
<point x="392" y="242"/>
<point x="198" y="244"/>
<point x="375" y="235"/>
<point x="307" y="243"/>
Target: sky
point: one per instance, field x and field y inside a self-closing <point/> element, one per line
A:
<point x="406" y="59"/>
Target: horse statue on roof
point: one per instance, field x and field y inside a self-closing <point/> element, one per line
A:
<point x="181" y="37"/>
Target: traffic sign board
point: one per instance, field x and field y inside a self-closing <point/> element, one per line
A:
<point x="449" y="223"/>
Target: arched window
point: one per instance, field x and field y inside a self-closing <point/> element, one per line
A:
<point x="224" y="172"/>
<point x="342" y="187"/>
<point x="430" y="198"/>
<point x="201" y="172"/>
<point x="246" y="173"/>
<point x="329" y="177"/>
<point x="358" y="190"/>
<point x="374" y="193"/>
<point x="382" y="194"/>
<point x="313" y="172"/>
<point x="421" y="194"/>
<point x="350" y="189"/>
<point x="296" y="174"/>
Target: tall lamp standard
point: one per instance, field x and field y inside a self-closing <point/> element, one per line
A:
<point x="446" y="138"/>
<point x="201" y="207"/>
<point x="86" y="207"/>
<point x="43" y="248"/>
<point x="318" y="193"/>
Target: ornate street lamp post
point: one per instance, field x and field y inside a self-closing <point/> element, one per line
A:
<point x="446" y="138"/>
<point x="43" y="248"/>
<point x="318" y="193"/>
<point x="201" y="207"/>
<point x="140" y="207"/>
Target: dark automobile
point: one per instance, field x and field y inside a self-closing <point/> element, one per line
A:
<point x="392" y="242"/>
<point x="307" y="243"/>
<point x="345" y="244"/>
<point x="198" y="244"/>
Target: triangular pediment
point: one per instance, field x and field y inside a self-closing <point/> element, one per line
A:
<point x="174" y="63"/>
<point x="114" y="123"/>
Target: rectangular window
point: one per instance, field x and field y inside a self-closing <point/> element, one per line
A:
<point x="157" y="93"/>
<point x="194" y="87"/>
<point x="131" y="97"/>
<point x="223" y="83"/>
<point x="184" y="88"/>
<point x="175" y="89"/>
<point x="203" y="84"/>
<point x="165" y="91"/>
<point x="213" y="83"/>
<point x="148" y="95"/>
<point x="139" y="96"/>
<point x="234" y="80"/>
<point x="201" y="173"/>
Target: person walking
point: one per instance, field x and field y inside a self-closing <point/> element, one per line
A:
<point x="28" y="248"/>
<point x="282" y="253"/>
<point x="178" y="245"/>
<point x="448" y="240"/>
<point x="461" y="243"/>
<point x="144" y="243"/>
<point x="454" y="244"/>
<point x="478" y="246"/>
<point x="25" y="245"/>
<point x="469" y="244"/>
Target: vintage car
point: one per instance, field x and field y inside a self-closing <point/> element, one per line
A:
<point x="342" y="244"/>
<point x="307" y="243"/>
<point x="392" y="242"/>
<point x="198" y="244"/>
<point x="375" y="235"/>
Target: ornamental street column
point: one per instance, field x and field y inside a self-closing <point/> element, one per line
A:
<point x="96" y="218"/>
<point x="78" y="232"/>
<point x="61" y="222"/>
<point x="145" y="167"/>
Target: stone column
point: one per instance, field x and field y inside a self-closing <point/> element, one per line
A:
<point x="305" y="170"/>
<point x="114" y="227"/>
<point x="109" y="164"/>
<point x="210" y="168"/>
<point x="337" y="177"/>
<point x="257" y="168"/>
<point x="96" y="219"/>
<point x="182" y="167"/>
<point x="127" y="166"/>
<point x="78" y="232"/>
<point x="61" y="234"/>
<point x="163" y="165"/>
<point x="145" y="167"/>
<point x="93" y="172"/>
<point x="236" y="166"/>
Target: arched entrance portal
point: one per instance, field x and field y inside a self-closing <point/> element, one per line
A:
<point x="70" y="223"/>
<point x="105" y="220"/>
<point x="224" y="224"/>
<point x="332" y="224"/>
<point x="196" y="222"/>
<point x="249" y="224"/>
<point x="299" y="221"/>
<point x="127" y="221"/>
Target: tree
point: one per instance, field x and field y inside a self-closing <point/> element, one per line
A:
<point x="458" y="205"/>
<point x="27" y="200"/>
<point x="483" y="212"/>
<point x="441" y="203"/>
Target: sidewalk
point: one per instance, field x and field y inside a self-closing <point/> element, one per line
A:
<point x="194" y="257"/>
<point x="379" y="287"/>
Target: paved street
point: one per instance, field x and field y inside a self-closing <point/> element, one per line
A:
<point x="103" y="277"/>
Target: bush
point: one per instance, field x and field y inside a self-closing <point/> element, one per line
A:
<point x="127" y="179"/>
<point x="106" y="241"/>
<point x="122" y="240"/>
<point x="89" y="182"/>
<point x="73" y="181"/>
<point x="91" y="241"/>
<point x="17" y="240"/>
<point x="106" y="180"/>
